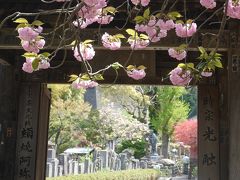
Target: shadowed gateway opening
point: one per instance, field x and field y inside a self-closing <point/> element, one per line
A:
<point x="136" y="130"/>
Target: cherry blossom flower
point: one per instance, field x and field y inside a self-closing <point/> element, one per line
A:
<point x="85" y="84"/>
<point x="27" y="66"/>
<point x="185" y="30"/>
<point x="166" y="25"/>
<point x="44" y="64"/>
<point x="179" y="55"/>
<point x="106" y="19"/>
<point x="33" y="46"/>
<point x="137" y="74"/>
<point x="86" y="50"/>
<point x="233" y="9"/>
<point x="28" y="33"/>
<point x="209" y="4"/>
<point x="138" y="43"/>
<point x="155" y="35"/>
<point x="142" y="2"/>
<point x="206" y="74"/>
<point x="111" y="42"/>
<point x="180" y="77"/>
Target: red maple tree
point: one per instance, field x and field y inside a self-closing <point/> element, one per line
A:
<point x="186" y="132"/>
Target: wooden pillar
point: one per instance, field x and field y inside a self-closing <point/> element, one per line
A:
<point x="234" y="104"/>
<point x="32" y="132"/>
<point x="8" y="121"/>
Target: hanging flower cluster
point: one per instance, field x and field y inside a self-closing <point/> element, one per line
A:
<point x="178" y="53"/>
<point x="94" y="11"/>
<point x="32" y="43"/>
<point x="112" y="42"/>
<point x="186" y="30"/>
<point x="233" y="9"/>
<point x="142" y="2"/>
<point x="209" y="4"/>
<point x="180" y="76"/>
<point x="136" y="73"/>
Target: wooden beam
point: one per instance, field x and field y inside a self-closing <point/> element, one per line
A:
<point x="8" y="40"/>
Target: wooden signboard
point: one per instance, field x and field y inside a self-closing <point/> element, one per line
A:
<point x="27" y="131"/>
<point x="208" y="132"/>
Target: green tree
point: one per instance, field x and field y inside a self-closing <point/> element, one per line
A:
<point x="67" y="111"/>
<point x="166" y="110"/>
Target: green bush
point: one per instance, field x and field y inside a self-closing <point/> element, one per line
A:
<point x="137" y="174"/>
<point x="139" y="147"/>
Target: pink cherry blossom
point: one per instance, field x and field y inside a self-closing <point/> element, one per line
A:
<point x="155" y="35"/>
<point x="33" y="46"/>
<point x="27" y="33"/>
<point x="137" y="74"/>
<point x="86" y="50"/>
<point x="185" y="30"/>
<point x="111" y="42"/>
<point x="166" y="25"/>
<point x="138" y="43"/>
<point x="85" y="84"/>
<point x="82" y="24"/>
<point x="206" y="74"/>
<point x="180" y="77"/>
<point x="179" y="55"/>
<point x="106" y="19"/>
<point x="91" y="2"/>
<point x="44" y="64"/>
<point x="141" y="27"/>
<point x="209" y="4"/>
<point x="233" y="9"/>
<point x="142" y="2"/>
<point x="27" y="66"/>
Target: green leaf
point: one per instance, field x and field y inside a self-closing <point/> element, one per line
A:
<point x="29" y="55"/>
<point x="98" y="77"/>
<point x="131" y="67"/>
<point x="110" y="9"/>
<point x="120" y="36"/>
<point x="141" y="67"/>
<point x="146" y="13"/>
<point x="37" y="23"/>
<point x="21" y="26"/>
<point x="139" y="19"/>
<point x="179" y="22"/>
<point x="144" y="36"/>
<point x="35" y="63"/>
<point x="116" y="65"/>
<point x="182" y="46"/>
<point x="158" y="15"/>
<point x="21" y="21"/>
<point x="131" y="32"/>
<point x="85" y="77"/>
<point x="189" y="21"/>
<point x="218" y="63"/>
<point x="73" y="77"/>
<point x="201" y="49"/>
<point x="88" y="41"/>
<point x="46" y="54"/>
<point x="174" y="14"/>
<point x="190" y="65"/>
<point x="182" y="65"/>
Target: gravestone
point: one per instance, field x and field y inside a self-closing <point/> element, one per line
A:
<point x="123" y="159"/>
<point x="81" y="168"/>
<point x="51" y="154"/>
<point x="63" y="160"/>
<point x="49" y="170"/>
<point x="60" y="170"/>
<point x="104" y="156"/>
<point x="70" y="166"/>
<point x="75" y="167"/>
<point x="86" y="166"/>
